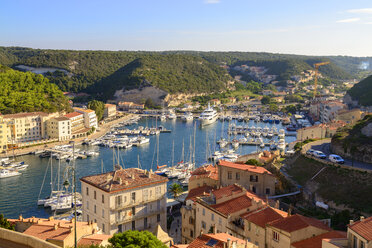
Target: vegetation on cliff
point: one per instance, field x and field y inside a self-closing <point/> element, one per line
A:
<point x="362" y="92"/>
<point x="27" y="92"/>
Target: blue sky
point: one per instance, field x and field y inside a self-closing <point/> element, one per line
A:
<point x="313" y="27"/>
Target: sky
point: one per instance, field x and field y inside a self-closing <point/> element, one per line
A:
<point x="309" y="27"/>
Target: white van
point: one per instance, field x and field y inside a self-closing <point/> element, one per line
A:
<point x="336" y="159"/>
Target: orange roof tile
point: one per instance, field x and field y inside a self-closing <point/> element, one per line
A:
<point x="233" y="205"/>
<point x="220" y="239"/>
<point x="227" y="191"/>
<point x="84" y="110"/>
<point x="297" y="222"/>
<point x="21" y="115"/>
<point x="251" y="168"/>
<point x="207" y="171"/>
<point x="199" y="191"/>
<point x="94" y="239"/>
<point x="48" y="232"/>
<point x="363" y="228"/>
<point x="264" y="215"/>
<point x="72" y="115"/>
<point x="316" y="242"/>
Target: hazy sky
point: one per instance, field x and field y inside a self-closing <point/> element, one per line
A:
<point x="314" y="27"/>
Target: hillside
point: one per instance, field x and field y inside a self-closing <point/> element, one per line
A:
<point x="28" y="92"/>
<point x="362" y="92"/>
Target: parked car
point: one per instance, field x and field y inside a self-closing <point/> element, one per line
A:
<point x="336" y="159"/>
<point x="319" y="154"/>
<point x="310" y="152"/>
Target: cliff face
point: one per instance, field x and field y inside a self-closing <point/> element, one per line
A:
<point x="360" y="152"/>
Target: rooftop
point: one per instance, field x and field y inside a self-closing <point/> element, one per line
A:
<point x="264" y="215"/>
<point x="84" y="110"/>
<point x="62" y="118"/>
<point x="316" y="242"/>
<point x="218" y="240"/>
<point x="21" y="115"/>
<point x="245" y="167"/>
<point x="363" y="228"/>
<point x="108" y="105"/>
<point x="72" y="115"/>
<point x="234" y="205"/>
<point x="93" y="239"/>
<point x="207" y="171"/>
<point x="227" y="191"/>
<point x="123" y="179"/>
<point x="298" y="222"/>
<point x="199" y="191"/>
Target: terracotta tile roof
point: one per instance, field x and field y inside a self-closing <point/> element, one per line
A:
<point x="264" y="215"/>
<point x="233" y="205"/>
<point x="123" y="179"/>
<point x="207" y="171"/>
<point x="220" y="239"/>
<point x="251" y="168"/>
<point x="227" y="191"/>
<point x="62" y="118"/>
<point x="72" y="115"/>
<point x="21" y="115"/>
<point x="199" y="191"/>
<point x="84" y="110"/>
<point x="94" y="239"/>
<point x="48" y="232"/>
<point x="363" y="228"/>
<point x="316" y="242"/>
<point x="108" y="105"/>
<point x="297" y="222"/>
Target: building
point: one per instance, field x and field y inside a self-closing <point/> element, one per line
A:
<point x="320" y="131"/>
<point x="125" y="199"/>
<point x="78" y="128"/>
<point x="60" y="232"/>
<point x="90" y="118"/>
<point x="216" y="240"/>
<point x="254" y="178"/>
<point x="204" y="176"/>
<point x="329" y="109"/>
<point x="349" y="116"/>
<point x="317" y="241"/>
<point x="110" y="111"/>
<point x="359" y="233"/>
<point x="26" y="128"/>
<point x="282" y="233"/>
<point x="125" y="106"/>
<point x="59" y="128"/>
<point x="3" y="135"/>
<point x="215" y="102"/>
<point x="267" y="92"/>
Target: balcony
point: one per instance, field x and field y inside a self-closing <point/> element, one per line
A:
<point x="118" y="207"/>
<point x="128" y="216"/>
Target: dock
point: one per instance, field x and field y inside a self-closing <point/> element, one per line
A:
<point x="77" y="155"/>
<point x="248" y="143"/>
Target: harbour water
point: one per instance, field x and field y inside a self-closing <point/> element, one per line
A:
<point x="19" y="195"/>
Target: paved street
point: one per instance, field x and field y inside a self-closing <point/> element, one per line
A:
<point x="326" y="148"/>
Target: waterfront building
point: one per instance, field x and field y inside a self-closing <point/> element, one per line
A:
<point x="130" y="106"/>
<point x="204" y="176"/>
<point x="319" y="131"/>
<point x="254" y="178"/>
<point x="60" y="232"/>
<point x="59" y="128"/>
<point x="3" y="135"/>
<point x="90" y="118"/>
<point x="78" y="128"/>
<point x="110" y="111"/>
<point x="125" y="199"/>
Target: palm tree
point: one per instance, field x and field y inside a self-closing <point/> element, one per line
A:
<point x="175" y="189"/>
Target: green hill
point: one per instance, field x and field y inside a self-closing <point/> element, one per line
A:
<point x="362" y="92"/>
<point x="27" y="92"/>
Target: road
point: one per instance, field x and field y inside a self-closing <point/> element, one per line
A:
<point x="326" y="148"/>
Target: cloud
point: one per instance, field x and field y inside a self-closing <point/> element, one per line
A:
<point x="349" y="20"/>
<point x="212" y="1"/>
<point x="360" y="11"/>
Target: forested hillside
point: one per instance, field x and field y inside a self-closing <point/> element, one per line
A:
<point x="362" y="92"/>
<point x="27" y="92"/>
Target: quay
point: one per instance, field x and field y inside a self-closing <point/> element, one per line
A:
<point x="248" y="143"/>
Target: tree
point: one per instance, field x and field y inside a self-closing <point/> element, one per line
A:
<point x="136" y="239"/>
<point x="175" y="189"/>
<point x="265" y="100"/>
<point x="4" y="223"/>
<point x="149" y="103"/>
<point x="273" y="107"/>
<point x="98" y="107"/>
<point x="253" y="161"/>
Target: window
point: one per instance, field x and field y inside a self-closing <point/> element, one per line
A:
<point x="87" y="191"/>
<point x="220" y="221"/>
<point x="103" y="213"/>
<point x="133" y="196"/>
<point x="204" y="226"/>
<point x="249" y="226"/>
<point x="212" y="217"/>
<point x="361" y="245"/>
<point x="133" y="225"/>
<point x="267" y="191"/>
<point x="95" y="195"/>
<point x="133" y="211"/>
<point x="145" y="194"/>
<point x="275" y="236"/>
<point x="118" y="201"/>
<point x="95" y="209"/>
<point x="145" y="222"/>
<point x="191" y="234"/>
<point x="158" y="218"/>
<point x="120" y="227"/>
<point x="203" y="211"/>
<point x="87" y="204"/>
<point x="158" y="191"/>
<point x="237" y="176"/>
<point x="103" y="227"/>
<point x="191" y="220"/>
<point x="158" y="205"/>
<point x="103" y="199"/>
<point x="229" y="175"/>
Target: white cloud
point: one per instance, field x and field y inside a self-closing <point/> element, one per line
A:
<point x="349" y="20"/>
<point x="211" y="1"/>
<point x="361" y="11"/>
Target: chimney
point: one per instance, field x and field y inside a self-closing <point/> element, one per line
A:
<point x="246" y="244"/>
<point x="351" y="222"/>
<point x="228" y="243"/>
<point x="290" y="210"/>
<point x="361" y="218"/>
<point x="20" y="218"/>
<point x="55" y="227"/>
<point x="277" y="203"/>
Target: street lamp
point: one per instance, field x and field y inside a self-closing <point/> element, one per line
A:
<point x="73" y="168"/>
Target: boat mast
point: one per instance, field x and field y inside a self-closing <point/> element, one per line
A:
<point x="59" y="174"/>
<point x="194" y="142"/>
<point x="51" y="176"/>
<point x="172" y="154"/>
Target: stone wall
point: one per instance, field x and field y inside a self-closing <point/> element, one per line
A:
<point x="23" y="240"/>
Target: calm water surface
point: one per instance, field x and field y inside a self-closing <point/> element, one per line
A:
<point x="18" y="195"/>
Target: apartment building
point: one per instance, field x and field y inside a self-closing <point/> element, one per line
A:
<point x="110" y="111"/>
<point x="254" y="178"/>
<point x="27" y="127"/>
<point x="359" y="233"/>
<point x="59" y="128"/>
<point x="3" y="135"/>
<point x="90" y="118"/>
<point x="217" y="210"/>
<point x="349" y="116"/>
<point x="206" y="175"/>
<point x="125" y="199"/>
<point x="329" y="109"/>
<point x="78" y="128"/>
